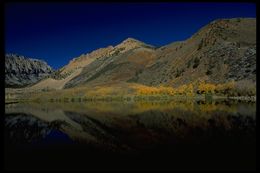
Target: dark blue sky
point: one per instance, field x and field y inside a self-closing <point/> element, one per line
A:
<point x="59" y="32"/>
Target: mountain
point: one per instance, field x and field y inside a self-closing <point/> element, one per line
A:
<point x="119" y="65"/>
<point x="85" y="67"/>
<point x="224" y="50"/>
<point x="21" y="71"/>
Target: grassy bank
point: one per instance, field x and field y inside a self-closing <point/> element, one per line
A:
<point x="126" y="92"/>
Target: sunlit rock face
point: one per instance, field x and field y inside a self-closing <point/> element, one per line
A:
<point x="21" y="71"/>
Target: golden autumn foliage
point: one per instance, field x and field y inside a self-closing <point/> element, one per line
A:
<point x="128" y="92"/>
<point x="147" y="90"/>
<point x="185" y="90"/>
<point x="165" y="90"/>
<point x="224" y="88"/>
<point x="206" y="87"/>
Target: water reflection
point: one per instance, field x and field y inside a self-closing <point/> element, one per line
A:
<point x="132" y="128"/>
<point x="107" y="123"/>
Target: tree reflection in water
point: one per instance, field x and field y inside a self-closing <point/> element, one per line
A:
<point x="150" y="129"/>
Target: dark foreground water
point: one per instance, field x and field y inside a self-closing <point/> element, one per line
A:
<point x="185" y="135"/>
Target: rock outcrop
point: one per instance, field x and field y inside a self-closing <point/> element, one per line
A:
<point x="21" y="71"/>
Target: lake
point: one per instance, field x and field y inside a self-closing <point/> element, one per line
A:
<point x="176" y="135"/>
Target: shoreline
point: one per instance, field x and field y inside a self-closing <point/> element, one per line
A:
<point x="133" y="98"/>
<point x="244" y="98"/>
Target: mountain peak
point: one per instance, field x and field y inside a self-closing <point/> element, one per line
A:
<point x="131" y="40"/>
<point x="131" y="43"/>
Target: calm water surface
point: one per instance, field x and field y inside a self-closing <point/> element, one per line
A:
<point x="185" y="135"/>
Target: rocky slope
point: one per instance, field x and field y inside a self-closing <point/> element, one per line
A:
<point x="89" y="66"/>
<point x="110" y="51"/>
<point x="221" y="51"/>
<point x="122" y="63"/>
<point x="21" y="71"/>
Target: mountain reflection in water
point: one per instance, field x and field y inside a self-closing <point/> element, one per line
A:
<point x="140" y="135"/>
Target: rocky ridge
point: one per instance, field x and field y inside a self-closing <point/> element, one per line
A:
<point x="21" y="71"/>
